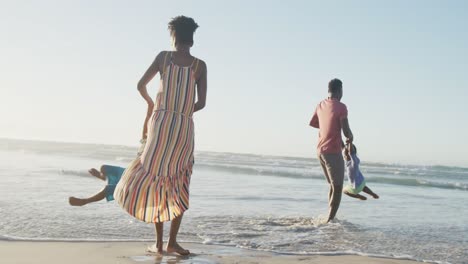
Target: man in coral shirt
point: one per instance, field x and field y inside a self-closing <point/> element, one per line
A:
<point x="331" y="117"/>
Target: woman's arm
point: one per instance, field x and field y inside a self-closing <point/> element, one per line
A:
<point x="202" y="83"/>
<point x="149" y="112"/>
<point x="153" y="69"/>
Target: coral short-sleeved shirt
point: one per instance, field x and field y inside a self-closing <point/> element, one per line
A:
<point x="327" y="118"/>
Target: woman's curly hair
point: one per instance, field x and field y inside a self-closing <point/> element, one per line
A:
<point x="182" y="29"/>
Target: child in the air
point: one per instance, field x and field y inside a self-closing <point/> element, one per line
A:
<point x="356" y="180"/>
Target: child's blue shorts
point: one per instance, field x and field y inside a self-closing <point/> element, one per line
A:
<point x="113" y="174"/>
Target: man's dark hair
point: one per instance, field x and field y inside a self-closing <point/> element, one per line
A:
<point x="182" y="29"/>
<point x="334" y="86"/>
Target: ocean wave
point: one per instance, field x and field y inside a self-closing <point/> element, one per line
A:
<point x="258" y="170"/>
<point x="306" y="173"/>
<point x="297" y="236"/>
<point x="74" y="172"/>
<point x="124" y="159"/>
<point x="309" y="174"/>
<point x="419" y="183"/>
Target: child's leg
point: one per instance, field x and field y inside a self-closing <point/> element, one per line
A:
<point x="358" y="196"/>
<point x="80" y="202"/>
<point x="99" y="174"/>
<point x="370" y="192"/>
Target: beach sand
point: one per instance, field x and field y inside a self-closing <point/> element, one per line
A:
<point x="19" y="252"/>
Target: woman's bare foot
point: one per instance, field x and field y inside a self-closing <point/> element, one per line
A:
<point x="97" y="174"/>
<point x="176" y="248"/>
<point x="155" y="249"/>
<point x="76" y="201"/>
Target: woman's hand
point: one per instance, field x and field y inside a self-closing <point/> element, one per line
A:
<point x="149" y="113"/>
<point x="142" y="146"/>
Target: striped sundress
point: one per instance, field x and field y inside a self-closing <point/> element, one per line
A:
<point x="155" y="186"/>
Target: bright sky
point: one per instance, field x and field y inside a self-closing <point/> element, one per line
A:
<point x="69" y="71"/>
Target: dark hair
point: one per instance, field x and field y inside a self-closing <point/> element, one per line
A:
<point x="182" y="29"/>
<point x="334" y="86"/>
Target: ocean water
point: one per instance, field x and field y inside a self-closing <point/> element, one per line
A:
<point x="268" y="203"/>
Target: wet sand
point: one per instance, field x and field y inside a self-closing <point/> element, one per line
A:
<point x="19" y="252"/>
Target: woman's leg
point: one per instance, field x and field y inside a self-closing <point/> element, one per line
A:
<point x="158" y="246"/>
<point x="80" y="202"/>
<point x="172" y="245"/>
<point x="159" y="236"/>
<point x="370" y="192"/>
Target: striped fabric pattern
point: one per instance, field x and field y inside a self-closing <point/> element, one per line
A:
<point x="155" y="186"/>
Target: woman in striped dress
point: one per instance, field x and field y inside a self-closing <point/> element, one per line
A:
<point x="155" y="186"/>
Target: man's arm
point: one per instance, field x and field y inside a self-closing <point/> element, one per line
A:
<point x="314" y="122"/>
<point x="346" y="130"/>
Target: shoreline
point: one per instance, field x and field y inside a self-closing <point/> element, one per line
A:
<point x="25" y="252"/>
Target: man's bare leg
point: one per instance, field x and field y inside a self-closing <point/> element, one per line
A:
<point x="333" y="166"/>
<point x="370" y="192"/>
<point x="335" y="201"/>
<point x="172" y="245"/>
<point x="358" y="196"/>
<point x="327" y="177"/>
<point x="95" y="198"/>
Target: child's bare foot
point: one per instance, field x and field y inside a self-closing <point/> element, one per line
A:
<point x="358" y="196"/>
<point x="155" y="249"/>
<point x="76" y="201"/>
<point x="370" y="192"/>
<point x="361" y="197"/>
<point x="176" y="248"/>
<point x="96" y="174"/>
